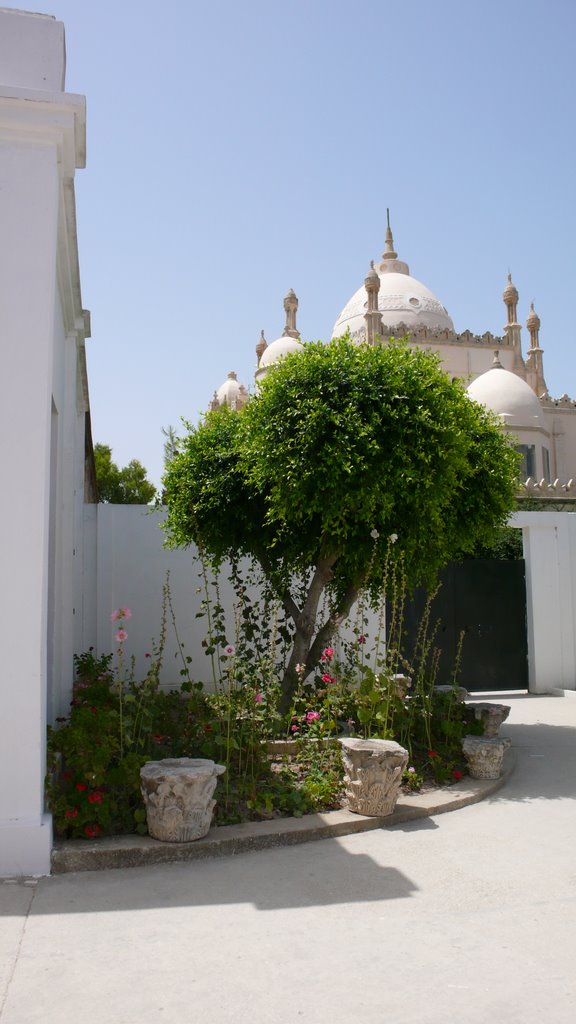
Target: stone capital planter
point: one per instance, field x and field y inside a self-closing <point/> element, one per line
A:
<point x="373" y="774"/>
<point x="491" y="716"/>
<point x="178" y="797"/>
<point x="484" y="755"/>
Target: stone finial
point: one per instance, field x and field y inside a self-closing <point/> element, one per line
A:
<point x="261" y="346"/>
<point x="496" y="364"/>
<point x="291" y="308"/>
<point x="510" y="296"/>
<point x="533" y="321"/>
<point x="389" y="253"/>
<point x="373" y="316"/>
<point x="372" y="281"/>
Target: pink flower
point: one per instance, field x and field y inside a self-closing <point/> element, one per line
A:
<point x="361" y="639"/>
<point x="259" y="697"/>
<point x="327" y="678"/>
<point x="293" y="728"/>
<point x="230" y="650"/>
<point x="121" y="613"/>
<point x="329" y="653"/>
<point x="300" y="669"/>
<point x="121" y="636"/>
<point x="312" y="716"/>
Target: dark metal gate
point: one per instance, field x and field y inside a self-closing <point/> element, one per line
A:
<point x="486" y="600"/>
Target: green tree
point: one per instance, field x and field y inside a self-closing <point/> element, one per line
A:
<point x="342" y="447"/>
<point x="127" y="486"/>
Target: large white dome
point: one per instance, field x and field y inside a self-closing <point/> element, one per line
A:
<point x="509" y="397"/>
<point x="401" y="300"/>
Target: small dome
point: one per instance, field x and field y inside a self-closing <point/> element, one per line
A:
<point x="509" y="397"/>
<point x="281" y="347"/>
<point x="510" y="293"/>
<point x="231" y="393"/>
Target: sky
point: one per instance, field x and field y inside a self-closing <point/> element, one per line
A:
<point x="236" y="150"/>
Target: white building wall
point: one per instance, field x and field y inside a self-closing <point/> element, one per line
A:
<point x="41" y="143"/>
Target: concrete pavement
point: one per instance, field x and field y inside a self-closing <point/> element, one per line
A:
<point x="467" y="917"/>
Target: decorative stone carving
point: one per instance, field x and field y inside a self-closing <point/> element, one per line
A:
<point x="484" y="755"/>
<point x="178" y="797"/>
<point x="372" y="774"/>
<point x="491" y="716"/>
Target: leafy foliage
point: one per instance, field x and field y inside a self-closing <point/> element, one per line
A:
<point x="342" y="447"/>
<point x="127" y="486"/>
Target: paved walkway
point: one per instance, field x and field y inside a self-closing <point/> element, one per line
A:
<point x="466" y="917"/>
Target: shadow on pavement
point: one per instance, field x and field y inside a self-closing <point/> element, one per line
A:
<point x="315" y="874"/>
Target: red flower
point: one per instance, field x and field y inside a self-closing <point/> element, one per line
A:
<point x="361" y="639"/>
<point x="72" y="812"/>
<point x="456" y="774"/>
<point x="158" y="738"/>
<point x="432" y="753"/>
<point x="67" y="776"/>
<point x="80" y="787"/>
<point x="92" y="830"/>
<point x="95" y="797"/>
<point x="327" y="678"/>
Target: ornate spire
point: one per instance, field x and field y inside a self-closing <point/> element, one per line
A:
<point x="390" y="263"/>
<point x="496" y="364"/>
<point x="261" y="345"/>
<point x="373" y="316"/>
<point x="534" y="357"/>
<point x="290" y="308"/>
<point x="389" y="253"/>
<point x="510" y="296"/>
<point x="512" y="328"/>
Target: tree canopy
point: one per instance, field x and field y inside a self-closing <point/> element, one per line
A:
<point x="343" y="446"/>
<point x="127" y="486"/>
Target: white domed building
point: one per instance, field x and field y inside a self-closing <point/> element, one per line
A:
<point x="394" y="304"/>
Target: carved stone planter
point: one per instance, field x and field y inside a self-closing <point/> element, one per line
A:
<point x="491" y="716"/>
<point x="178" y="797"/>
<point x="373" y="774"/>
<point x="484" y="755"/>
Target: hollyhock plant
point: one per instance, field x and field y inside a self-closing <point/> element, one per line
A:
<point x="121" y="613"/>
<point x="121" y="636"/>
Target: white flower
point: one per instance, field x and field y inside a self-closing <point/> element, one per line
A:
<point x="230" y="650"/>
<point x="374" y="534"/>
<point x="393" y="537"/>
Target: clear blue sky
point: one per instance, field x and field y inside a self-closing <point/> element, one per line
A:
<point x="236" y="150"/>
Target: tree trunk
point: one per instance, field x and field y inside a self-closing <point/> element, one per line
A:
<point x="309" y="644"/>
